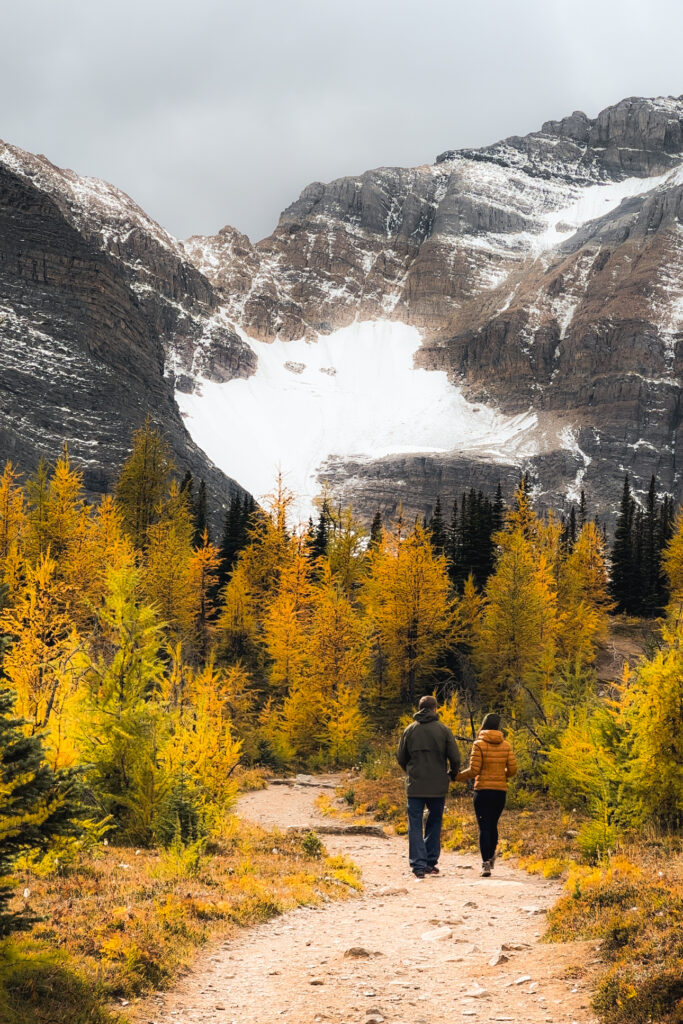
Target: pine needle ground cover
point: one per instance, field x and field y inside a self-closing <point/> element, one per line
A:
<point x="631" y="900"/>
<point x="125" y="921"/>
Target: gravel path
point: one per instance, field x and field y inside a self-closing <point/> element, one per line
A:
<point x="457" y="948"/>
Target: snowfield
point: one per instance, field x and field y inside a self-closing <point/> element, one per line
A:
<point x="354" y="393"/>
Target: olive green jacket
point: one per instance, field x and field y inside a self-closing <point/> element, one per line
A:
<point x="426" y="749"/>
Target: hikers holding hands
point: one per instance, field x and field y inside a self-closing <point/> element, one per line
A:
<point x="492" y="763"/>
<point x="426" y="749"/>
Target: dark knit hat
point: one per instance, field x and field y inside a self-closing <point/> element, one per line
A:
<point x="491" y="721"/>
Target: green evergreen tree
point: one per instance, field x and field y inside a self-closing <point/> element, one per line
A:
<point x="323" y="531"/>
<point x="187" y="486"/>
<point x="623" y="568"/>
<point x="200" y="516"/>
<point x="376" y="529"/>
<point x="37" y="804"/>
<point x="144" y="482"/>
<point x="571" y="529"/>
<point x="437" y="530"/>
<point x="583" y="511"/>
<point x="498" y="510"/>
<point x="453" y="552"/>
<point x="231" y="541"/>
<point x="651" y="560"/>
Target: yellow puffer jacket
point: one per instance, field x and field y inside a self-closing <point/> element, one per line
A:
<point x="492" y="761"/>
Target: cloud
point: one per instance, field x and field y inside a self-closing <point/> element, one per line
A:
<point x="217" y="112"/>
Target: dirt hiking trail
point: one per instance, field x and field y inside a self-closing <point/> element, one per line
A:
<point x="453" y="948"/>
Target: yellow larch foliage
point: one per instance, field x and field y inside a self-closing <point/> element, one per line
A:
<point x="237" y="627"/>
<point x="338" y="638"/>
<point x="517" y="635"/>
<point x="99" y="545"/>
<point x="653" y="713"/>
<point x="304" y="721"/>
<point x="584" y="597"/>
<point x="673" y="565"/>
<point x="548" y="542"/>
<point x="203" y="566"/>
<point x="12" y="524"/>
<point x="64" y="506"/>
<point x="269" y="552"/>
<point x="346" y="556"/>
<point x="469" y="612"/>
<point x="519" y="517"/>
<point x="338" y="646"/>
<point x="144" y="481"/>
<point x="347" y="727"/>
<point x="410" y="608"/>
<point x="45" y="661"/>
<point x="201" y="744"/>
<point x="166" y="566"/>
<point x="285" y="622"/>
<point x="55" y="508"/>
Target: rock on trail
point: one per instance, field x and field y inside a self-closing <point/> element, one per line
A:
<point x="401" y="952"/>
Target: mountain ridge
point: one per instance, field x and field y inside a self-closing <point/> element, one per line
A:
<point x="543" y="274"/>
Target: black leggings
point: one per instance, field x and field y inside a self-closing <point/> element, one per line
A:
<point x="488" y="807"/>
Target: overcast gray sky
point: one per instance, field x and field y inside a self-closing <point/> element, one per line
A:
<point x="211" y="112"/>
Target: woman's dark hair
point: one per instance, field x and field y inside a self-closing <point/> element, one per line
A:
<point x="491" y="721"/>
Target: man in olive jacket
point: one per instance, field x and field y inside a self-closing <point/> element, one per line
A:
<point x="426" y="749"/>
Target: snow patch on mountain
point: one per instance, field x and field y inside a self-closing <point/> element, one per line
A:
<point x="591" y="203"/>
<point x="358" y="394"/>
<point x="570" y="442"/>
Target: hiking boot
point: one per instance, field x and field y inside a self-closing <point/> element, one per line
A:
<point x="433" y="870"/>
<point x="486" y="869"/>
<point x="419" y="875"/>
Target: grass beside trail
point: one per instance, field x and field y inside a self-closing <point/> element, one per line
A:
<point x="122" y="922"/>
<point x="632" y="900"/>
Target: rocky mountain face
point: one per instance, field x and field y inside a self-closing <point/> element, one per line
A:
<point x="543" y="273"/>
<point x="96" y="302"/>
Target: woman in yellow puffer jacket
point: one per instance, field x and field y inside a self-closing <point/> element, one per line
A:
<point x="492" y="763"/>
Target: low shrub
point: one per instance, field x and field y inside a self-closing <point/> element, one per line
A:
<point x="128" y="920"/>
<point x="637" y="911"/>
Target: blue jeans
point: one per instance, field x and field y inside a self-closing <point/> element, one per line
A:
<point x="424" y="849"/>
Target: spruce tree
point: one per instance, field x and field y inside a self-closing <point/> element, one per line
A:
<point x="622" y="576"/>
<point x="635" y="603"/>
<point x="583" y="511"/>
<point x="200" y="516"/>
<point x="376" y="529"/>
<point x="187" y="486"/>
<point x="453" y="550"/>
<point x="37" y="804"/>
<point x="238" y="522"/>
<point x="498" y="510"/>
<point x="323" y="531"/>
<point x="437" y="530"/>
<point x="650" y="573"/>
<point x="571" y="528"/>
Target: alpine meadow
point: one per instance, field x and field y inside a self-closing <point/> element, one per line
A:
<point x="149" y="674"/>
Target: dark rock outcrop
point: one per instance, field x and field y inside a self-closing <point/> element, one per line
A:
<point x="82" y="356"/>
